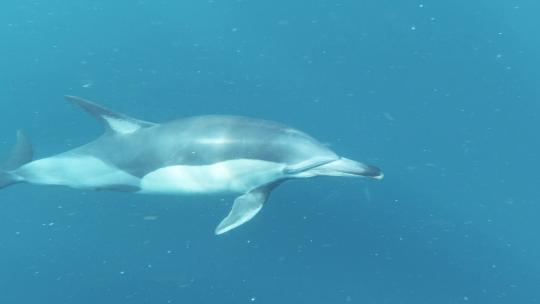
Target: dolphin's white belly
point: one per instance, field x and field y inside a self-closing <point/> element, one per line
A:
<point x="77" y="171"/>
<point x="87" y="172"/>
<point x="239" y="176"/>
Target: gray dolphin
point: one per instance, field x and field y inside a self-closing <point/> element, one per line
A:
<point x="195" y="155"/>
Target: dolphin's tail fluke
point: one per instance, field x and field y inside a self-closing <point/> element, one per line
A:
<point x="20" y="154"/>
<point x="7" y="179"/>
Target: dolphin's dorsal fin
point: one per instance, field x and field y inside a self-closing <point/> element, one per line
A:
<point x="112" y="121"/>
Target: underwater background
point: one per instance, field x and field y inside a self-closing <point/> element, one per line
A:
<point x="444" y="96"/>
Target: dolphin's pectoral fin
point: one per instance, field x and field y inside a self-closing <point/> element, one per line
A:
<point x="245" y="207"/>
<point x="112" y="121"/>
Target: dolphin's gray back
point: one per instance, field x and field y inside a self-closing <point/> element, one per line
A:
<point x="204" y="140"/>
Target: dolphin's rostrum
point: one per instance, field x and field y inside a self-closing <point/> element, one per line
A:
<point x="195" y="155"/>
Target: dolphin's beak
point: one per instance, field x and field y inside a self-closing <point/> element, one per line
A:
<point x="348" y="167"/>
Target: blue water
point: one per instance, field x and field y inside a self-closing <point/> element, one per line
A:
<point x="442" y="95"/>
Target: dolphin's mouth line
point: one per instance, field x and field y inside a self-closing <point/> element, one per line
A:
<point x="307" y="165"/>
<point x="345" y="167"/>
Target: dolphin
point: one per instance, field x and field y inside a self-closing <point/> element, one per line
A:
<point x="197" y="155"/>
